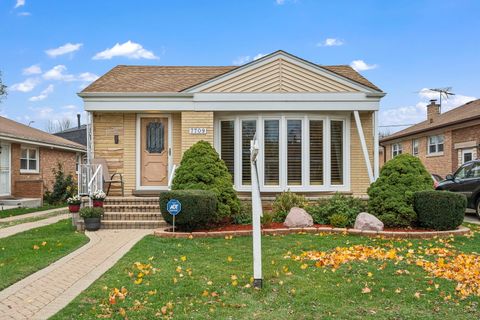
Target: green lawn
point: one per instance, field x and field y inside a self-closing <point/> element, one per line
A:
<point x="24" y="253"/>
<point x="196" y="279"/>
<point x="19" y="211"/>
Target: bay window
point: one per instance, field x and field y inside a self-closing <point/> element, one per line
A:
<point x="302" y="153"/>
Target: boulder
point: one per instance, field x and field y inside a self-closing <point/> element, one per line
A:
<point x="298" y="218"/>
<point x="366" y="221"/>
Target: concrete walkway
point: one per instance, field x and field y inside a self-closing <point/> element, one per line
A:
<point x="10" y="231"/>
<point x="34" y="214"/>
<point x="47" y="291"/>
<point x="472" y="219"/>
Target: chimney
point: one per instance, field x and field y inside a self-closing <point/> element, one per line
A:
<point x="433" y="110"/>
<point x="78" y="120"/>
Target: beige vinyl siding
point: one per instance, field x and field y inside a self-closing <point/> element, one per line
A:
<point x="280" y="76"/>
<point x="358" y="170"/>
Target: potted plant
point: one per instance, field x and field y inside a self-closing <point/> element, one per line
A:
<point x="74" y="203"/>
<point x="92" y="217"/>
<point x="98" y="197"/>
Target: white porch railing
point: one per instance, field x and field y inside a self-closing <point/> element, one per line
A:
<point x="90" y="179"/>
<point x="172" y="175"/>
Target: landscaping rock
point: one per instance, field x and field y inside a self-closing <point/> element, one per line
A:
<point x="298" y="218"/>
<point x="366" y="221"/>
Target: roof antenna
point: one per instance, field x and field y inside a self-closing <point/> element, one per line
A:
<point x="443" y="92"/>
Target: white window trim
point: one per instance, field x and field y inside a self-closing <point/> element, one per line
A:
<point x="304" y="187"/>
<point x="399" y="149"/>
<point x="436" y="153"/>
<point x="418" y="147"/>
<point x="37" y="159"/>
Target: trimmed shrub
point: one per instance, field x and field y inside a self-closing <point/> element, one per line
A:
<point x="284" y="202"/>
<point x="244" y="216"/>
<point x="391" y="196"/>
<point x="339" y="220"/>
<point x="348" y="207"/>
<point x="199" y="209"/>
<point x="202" y="169"/>
<point x="440" y="210"/>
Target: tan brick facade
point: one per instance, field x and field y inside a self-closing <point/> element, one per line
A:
<point x="35" y="184"/>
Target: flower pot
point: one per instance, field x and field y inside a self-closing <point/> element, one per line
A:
<point x="73" y="208"/>
<point x="98" y="203"/>
<point x="92" y="224"/>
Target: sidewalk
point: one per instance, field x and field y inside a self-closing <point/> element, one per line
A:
<point x="10" y="231"/>
<point x="34" y="214"/>
<point x="47" y="291"/>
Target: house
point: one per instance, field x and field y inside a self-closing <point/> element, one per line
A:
<point x="317" y="125"/>
<point x="76" y="134"/>
<point x="443" y="142"/>
<point x="28" y="157"/>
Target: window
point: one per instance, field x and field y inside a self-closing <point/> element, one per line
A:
<point x="294" y="152"/>
<point x="463" y="172"/>
<point x="396" y="149"/>
<point x="298" y="152"/>
<point x="272" y="152"/>
<point x="78" y="162"/>
<point x="316" y="152"/>
<point x="29" y="160"/>
<point x="475" y="172"/>
<point x="336" y="153"/>
<point x="467" y="155"/>
<point x="415" y="143"/>
<point x="249" y="127"/>
<point x="435" y="144"/>
<point x="227" y="148"/>
<point x="155" y="137"/>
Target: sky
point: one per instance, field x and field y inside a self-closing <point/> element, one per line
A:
<point x="51" y="50"/>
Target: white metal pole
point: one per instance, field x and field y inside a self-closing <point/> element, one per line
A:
<point x="256" y="214"/>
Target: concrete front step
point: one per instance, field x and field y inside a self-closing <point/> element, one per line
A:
<point x="133" y="216"/>
<point x="155" y="208"/>
<point x="131" y="201"/>
<point x="127" y="224"/>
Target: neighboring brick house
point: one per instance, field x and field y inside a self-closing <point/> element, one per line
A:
<point x="28" y="157"/>
<point x="443" y="142"/>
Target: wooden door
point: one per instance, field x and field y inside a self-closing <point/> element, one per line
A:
<point x="154" y="151"/>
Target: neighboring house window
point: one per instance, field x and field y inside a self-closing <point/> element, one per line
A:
<point x="435" y="144"/>
<point x="415" y="144"/>
<point x="78" y="162"/>
<point x="396" y="149"/>
<point x="300" y="153"/>
<point x="29" y="160"/>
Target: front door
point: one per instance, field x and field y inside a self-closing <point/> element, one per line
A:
<point x="467" y="155"/>
<point x="5" y="169"/>
<point x="154" y="152"/>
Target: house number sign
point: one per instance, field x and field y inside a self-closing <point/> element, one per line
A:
<point x="197" y="130"/>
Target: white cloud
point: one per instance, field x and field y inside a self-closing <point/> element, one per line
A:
<point x="408" y="115"/>
<point x="66" y="48"/>
<point x="331" y="42"/>
<point x="245" y="59"/>
<point x="34" y="69"/>
<point x="58" y="73"/>
<point x="360" y="65"/>
<point x="280" y="2"/>
<point x="128" y="49"/>
<point x="70" y="107"/>
<point x="43" y="95"/>
<point x="24" y="14"/>
<point x="26" y="86"/>
<point x="20" y="3"/>
<point x="87" y="77"/>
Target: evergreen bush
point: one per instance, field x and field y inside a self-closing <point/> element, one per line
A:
<point x="348" y="207"/>
<point x="391" y="196"/>
<point x="284" y="202"/>
<point x="202" y="169"/>
<point x="198" y="209"/>
<point x="64" y="187"/>
<point x="440" y="210"/>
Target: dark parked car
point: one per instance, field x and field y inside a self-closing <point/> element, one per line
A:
<point x="436" y="179"/>
<point x="465" y="180"/>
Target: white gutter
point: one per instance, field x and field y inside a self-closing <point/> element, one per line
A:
<point x="42" y="144"/>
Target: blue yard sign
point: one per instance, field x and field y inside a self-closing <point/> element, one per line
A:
<point x="174" y="207"/>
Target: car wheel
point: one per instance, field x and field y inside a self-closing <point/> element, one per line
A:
<point x="477" y="207"/>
